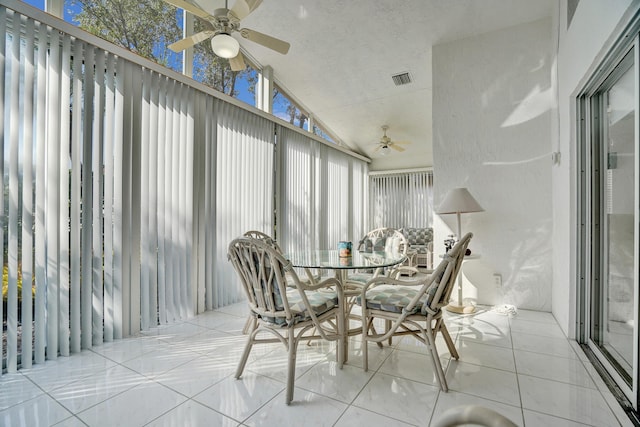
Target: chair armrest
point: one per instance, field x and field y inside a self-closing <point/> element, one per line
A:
<point x="326" y="283"/>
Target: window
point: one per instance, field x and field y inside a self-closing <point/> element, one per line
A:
<point x="288" y="110"/>
<point x="146" y="28"/>
<point x="132" y="30"/>
<point x="322" y="133"/>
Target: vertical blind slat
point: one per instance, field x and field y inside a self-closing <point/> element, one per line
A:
<point x="27" y="196"/>
<point x="3" y="23"/>
<point x="118" y="238"/>
<point x="136" y="200"/>
<point x="162" y="125"/>
<point x="76" y="185"/>
<point x="86" y="266"/>
<point x="180" y="199"/>
<point x="97" y="301"/>
<point x="12" y="250"/>
<point x="144" y="182"/>
<point x="109" y="142"/>
<point x="52" y="203"/>
<point x="40" y="208"/>
<point x="152" y="201"/>
<point x="65" y="94"/>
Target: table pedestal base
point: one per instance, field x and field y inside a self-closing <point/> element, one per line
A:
<point x="460" y="309"/>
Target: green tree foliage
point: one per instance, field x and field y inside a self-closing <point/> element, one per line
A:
<point x="147" y="28"/>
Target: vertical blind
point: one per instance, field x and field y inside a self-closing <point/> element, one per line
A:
<point x="401" y="200"/>
<point x="97" y="172"/>
<point x="101" y="162"/>
<point x="243" y="189"/>
<point x="321" y="194"/>
<point x="122" y="188"/>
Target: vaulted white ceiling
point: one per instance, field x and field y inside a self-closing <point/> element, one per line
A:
<point x="343" y="55"/>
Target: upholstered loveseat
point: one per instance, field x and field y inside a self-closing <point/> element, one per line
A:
<point x="420" y="246"/>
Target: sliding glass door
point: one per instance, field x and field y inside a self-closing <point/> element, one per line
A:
<point x="610" y="215"/>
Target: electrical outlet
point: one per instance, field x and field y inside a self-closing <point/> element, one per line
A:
<point x="497" y="280"/>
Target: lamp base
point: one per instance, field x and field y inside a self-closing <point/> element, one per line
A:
<point x="460" y="309"/>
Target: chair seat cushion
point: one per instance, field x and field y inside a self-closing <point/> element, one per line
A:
<point x="361" y="278"/>
<point x="395" y="298"/>
<point x="320" y="302"/>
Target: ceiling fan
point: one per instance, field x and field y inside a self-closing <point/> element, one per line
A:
<point x="224" y="22"/>
<point x="386" y="144"/>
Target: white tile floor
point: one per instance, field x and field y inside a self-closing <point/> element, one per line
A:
<point x="182" y="375"/>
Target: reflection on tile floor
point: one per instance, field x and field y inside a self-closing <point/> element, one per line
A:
<point x="182" y="375"/>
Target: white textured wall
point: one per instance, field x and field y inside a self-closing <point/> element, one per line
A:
<point x="492" y="101"/>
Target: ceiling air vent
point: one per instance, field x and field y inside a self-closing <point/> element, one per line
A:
<point x="401" y="79"/>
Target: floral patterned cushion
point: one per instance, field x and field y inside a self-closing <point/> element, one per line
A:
<point x="395" y="298"/>
<point x="320" y="302"/>
<point x="360" y="277"/>
<point x="418" y="236"/>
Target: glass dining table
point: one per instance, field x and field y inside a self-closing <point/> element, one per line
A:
<point x="330" y="260"/>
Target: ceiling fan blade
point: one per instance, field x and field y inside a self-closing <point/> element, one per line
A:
<point x="182" y="4"/>
<point x="242" y="8"/>
<point x="265" y="40"/>
<point x="237" y="63"/>
<point x="396" y="147"/>
<point x="181" y="45"/>
<point x="377" y="148"/>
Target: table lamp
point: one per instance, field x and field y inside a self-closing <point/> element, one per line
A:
<point x="459" y="201"/>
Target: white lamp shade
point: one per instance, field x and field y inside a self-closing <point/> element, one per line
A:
<point x="225" y="46"/>
<point x="384" y="151"/>
<point x="459" y="200"/>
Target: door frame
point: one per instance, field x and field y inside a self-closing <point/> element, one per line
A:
<point x="590" y="109"/>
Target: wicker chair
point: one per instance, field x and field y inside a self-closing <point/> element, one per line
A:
<point x="259" y="235"/>
<point x="283" y="311"/>
<point x="413" y="307"/>
<point x="380" y="239"/>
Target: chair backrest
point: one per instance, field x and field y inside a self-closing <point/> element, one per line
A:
<point x="259" y="235"/>
<point x="446" y="273"/>
<point x="262" y="273"/>
<point x="418" y="235"/>
<point x="384" y="239"/>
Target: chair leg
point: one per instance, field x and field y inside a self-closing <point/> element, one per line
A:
<point x="430" y="335"/>
<point x="291" y="367"/>
<point x="387" y="326"/>
<point x="365" y="346"/>
<point x="342" y="343"/>
<point x="447" y="338"/>
<point x="248" y="324"/>
<point x="245" y="354"/>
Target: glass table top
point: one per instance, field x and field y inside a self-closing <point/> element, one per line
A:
<point x="330" y="259"/>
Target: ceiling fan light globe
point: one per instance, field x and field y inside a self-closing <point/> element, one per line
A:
<point x="225" y="46"/>
<point x="385" y="150"/>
